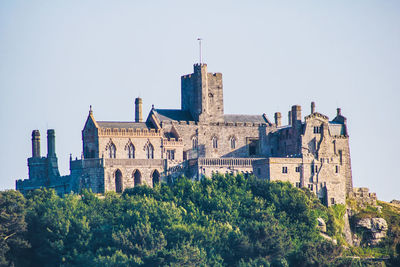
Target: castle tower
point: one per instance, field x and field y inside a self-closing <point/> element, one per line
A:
<point x="138" y="110"/>
<point x="35" y="144"/>
<point x="51" y="143"/>
<point x="202" y="95"/>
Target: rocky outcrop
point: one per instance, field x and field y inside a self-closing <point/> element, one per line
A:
<point x="321" y="225"/>
<point x="375" y="229"/>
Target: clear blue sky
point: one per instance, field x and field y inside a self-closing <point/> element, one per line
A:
<point x="59" y="57"/>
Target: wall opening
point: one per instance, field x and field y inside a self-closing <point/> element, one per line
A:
<point x="118" y="181"/>
<point x="155" y="177"/>
<point x="137" y="178"/>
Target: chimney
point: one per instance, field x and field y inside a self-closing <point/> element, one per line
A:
<point x="296" y="114"/>
<point x="35" y="144"/>
<point x="51" y="143"/>
<point x="290" y="117"/>
<point x="312" y="107"/>
<point x="339" y="111"/>
<point x="278" y="117"/>
<point x="138" y="110"/>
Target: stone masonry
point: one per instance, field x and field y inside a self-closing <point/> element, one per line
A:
<point x="199" y="140"/>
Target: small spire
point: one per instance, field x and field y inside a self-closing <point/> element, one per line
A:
<point x="90" y="110"/>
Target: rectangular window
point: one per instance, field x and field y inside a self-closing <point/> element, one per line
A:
<point x="171" y="154"/>
<point x="332" y="201"/>
<point x="336" y="169"/>
<point x="298" y="169"/>
<point x="284" y="169"/>
<point x="298" y="184"/>
<point x="317" y="129"/>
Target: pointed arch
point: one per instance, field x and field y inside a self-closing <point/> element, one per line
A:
<point x="155" y="177"/>
<point x="232" y="141"/>
<point x="137" y="177"/>
<point x="112" y="150"/>
<point x="195" y="142"/>
<point x="130" y="148"/>
<point x="149" y="150"/>
<point x="214" y="141"/>
<point x="118" y="181"/>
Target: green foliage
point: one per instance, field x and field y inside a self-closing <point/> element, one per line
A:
<point x="223" y="221"/>
<point x="335" y="224"/>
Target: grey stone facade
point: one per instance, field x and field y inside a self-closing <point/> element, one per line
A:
<point x="199" y="140"/>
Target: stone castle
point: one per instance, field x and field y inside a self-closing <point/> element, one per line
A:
<point x="198" y="140"/>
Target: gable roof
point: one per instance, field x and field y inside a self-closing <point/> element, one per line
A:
<point x="244" y="118"/>
<point x="173" y="115"/>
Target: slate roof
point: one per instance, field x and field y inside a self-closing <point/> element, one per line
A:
<point x="122" y="124"/>
<point x="244" y="118"/>
<point x="173" y="115"/>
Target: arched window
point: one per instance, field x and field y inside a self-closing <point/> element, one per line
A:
<point x="233" y="142"/>
<point x="149" y="149"/>
<point x="155" y="176"/>
<point x="112" y="151"/>
<point x="194" y="142"/>
<point x="137" y="178"/>
<point x="131" y="151"/>
<point x="118" y="181"/>
<point x="215" y="142"/>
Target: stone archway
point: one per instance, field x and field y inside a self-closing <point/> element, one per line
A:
<point x="118" y="181"/>
<point x="155" y="177"/>
<point x="137" y="178"/>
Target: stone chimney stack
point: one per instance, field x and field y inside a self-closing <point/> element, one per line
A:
<point x="339" y="111"/>
<point x="278" y="117"/>
<point x="290" y="117"/>
<point x="35" y="144"/>
<point x="51" y="143"/>
<point x="312" y="107"/>
<point x="138" y="110"/>
<point x="296" y="114"/>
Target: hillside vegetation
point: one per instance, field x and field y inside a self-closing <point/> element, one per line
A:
<point x="223" y="221"/>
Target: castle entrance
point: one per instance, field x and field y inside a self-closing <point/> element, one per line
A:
<point x="155" y="177"/>
<point x="118" y="181"/>
<point x="137" y="177"/>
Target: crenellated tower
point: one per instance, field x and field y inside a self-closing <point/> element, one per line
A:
<point x="202" y="95"/>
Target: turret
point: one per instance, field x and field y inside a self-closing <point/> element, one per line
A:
<point x="278" y="117"/>
<point x="138" y="110"/>
<point x="51" y="143"/>
<point x="35" y="144"/>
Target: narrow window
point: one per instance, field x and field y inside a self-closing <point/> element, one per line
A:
<point x="298" y="184"/>
<point x="131" y="151"/>
<point x="336" y="169"/>
<point x="194" y="142"/>
<point x="284" y="169"/>
<point x="233" y="142"/>
<point x="149" y="149"/>
<point x="215" y="142"/>
<point x="332" y="201"/>
<point x="298" y="169"/>
<point x="171" y="154"/>
<point x="112" y="151"/>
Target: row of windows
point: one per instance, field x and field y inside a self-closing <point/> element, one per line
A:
<point x="314" y="169"/>
<point x="112" y="151"/>
<point x="195" y="142"/>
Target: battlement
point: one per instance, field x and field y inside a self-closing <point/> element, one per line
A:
<point x="130" y="132"/>
<point x="172" y="142"/>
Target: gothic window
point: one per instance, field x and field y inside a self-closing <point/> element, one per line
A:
<point x="215" y="142"/>
<point x="131" y="151"/>
<point x="233" y="142"/>
<point x="112" y="150"/>
<point x="194" y="142"/>
<point x="149" y="150"/>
